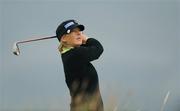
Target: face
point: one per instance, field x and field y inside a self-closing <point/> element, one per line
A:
<point x="73" y="39"/>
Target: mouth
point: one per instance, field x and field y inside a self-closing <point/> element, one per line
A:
<point x="78" y="38"/>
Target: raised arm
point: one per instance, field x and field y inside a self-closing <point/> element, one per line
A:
<point x="89" y="51"/>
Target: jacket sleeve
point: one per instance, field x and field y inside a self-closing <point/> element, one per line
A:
<point x="88" y="52"/>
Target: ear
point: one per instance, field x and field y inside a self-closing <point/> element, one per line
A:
<point x="63" y="38"/>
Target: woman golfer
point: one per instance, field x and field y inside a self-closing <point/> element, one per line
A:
<point x="77" y="52"/>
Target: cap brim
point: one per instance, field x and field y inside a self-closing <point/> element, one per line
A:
<point x="81" y="27"/>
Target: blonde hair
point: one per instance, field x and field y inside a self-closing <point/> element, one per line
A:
<point x="63" y="48"/>
<point x="60" y="47"/>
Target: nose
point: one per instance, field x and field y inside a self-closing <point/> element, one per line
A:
<point x="79" y="32"/>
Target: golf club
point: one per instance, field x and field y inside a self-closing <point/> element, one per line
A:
<point x="16" y="50"/>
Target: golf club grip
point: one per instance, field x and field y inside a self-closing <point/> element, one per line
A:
<point x="36" y="39"/>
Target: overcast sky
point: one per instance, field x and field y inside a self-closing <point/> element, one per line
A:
<point x="140" y="64"/>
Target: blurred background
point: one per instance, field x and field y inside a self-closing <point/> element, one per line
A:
<point x="139" y="67"/>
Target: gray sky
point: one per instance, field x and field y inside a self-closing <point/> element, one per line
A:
<point x="140" y="64"/>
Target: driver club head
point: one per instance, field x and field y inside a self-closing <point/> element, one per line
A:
<point x="16" y="50"/>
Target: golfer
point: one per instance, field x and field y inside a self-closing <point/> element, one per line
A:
<point x="77" y="52"/>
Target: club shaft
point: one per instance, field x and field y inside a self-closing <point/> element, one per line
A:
<point x="36" y="39"/>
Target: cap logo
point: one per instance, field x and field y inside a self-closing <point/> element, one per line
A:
<point x="69" y="24"/>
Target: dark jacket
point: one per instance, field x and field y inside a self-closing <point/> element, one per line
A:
<point x="80" y="74"/>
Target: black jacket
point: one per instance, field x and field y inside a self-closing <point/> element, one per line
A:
<point x="80" y="74"/>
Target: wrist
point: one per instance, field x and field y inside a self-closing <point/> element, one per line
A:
<point x="84" y="39"/>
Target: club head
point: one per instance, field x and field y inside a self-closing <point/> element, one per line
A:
<point x="16" y="50"/>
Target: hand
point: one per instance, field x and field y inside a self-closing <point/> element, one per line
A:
<point x="84" y="38"/>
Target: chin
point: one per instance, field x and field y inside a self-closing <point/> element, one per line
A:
<point x="77" y="45"/>
<point x="80" y="43"/>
